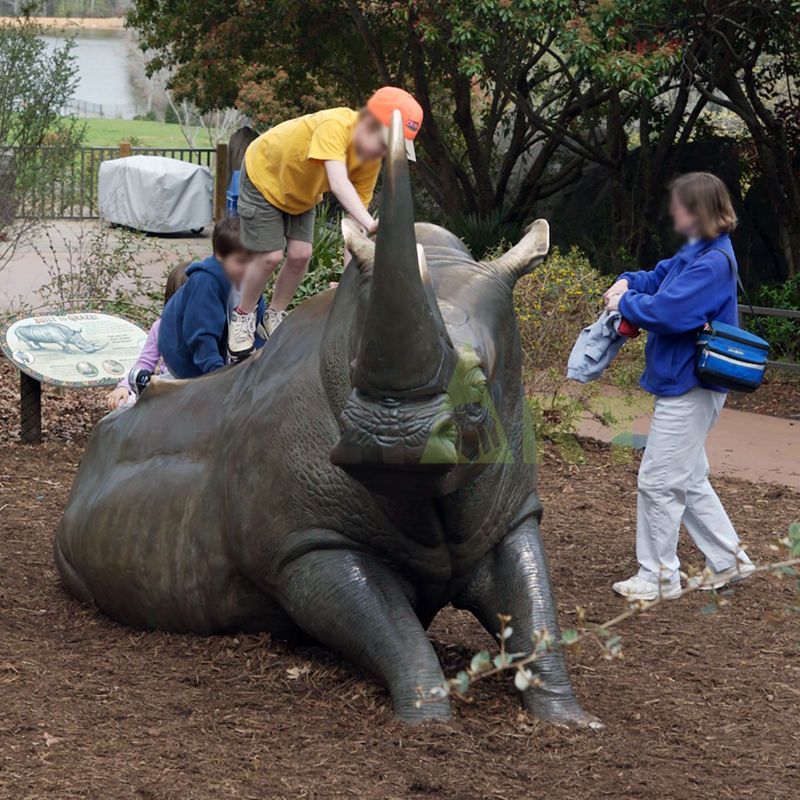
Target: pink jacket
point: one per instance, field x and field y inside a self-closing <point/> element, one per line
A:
<point x="149" y="357"/>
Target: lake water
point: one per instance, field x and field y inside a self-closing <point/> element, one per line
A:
<point x="103" y="68"/>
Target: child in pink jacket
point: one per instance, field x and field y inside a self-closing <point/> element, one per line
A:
<point x="149" y="358"/>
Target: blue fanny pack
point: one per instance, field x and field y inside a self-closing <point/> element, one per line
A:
<point x="730" y="357"/>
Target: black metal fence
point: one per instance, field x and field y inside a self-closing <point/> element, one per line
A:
<point x="64" y="185"/>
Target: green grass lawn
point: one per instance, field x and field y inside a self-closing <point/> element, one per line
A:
<point x="110" y="132"/>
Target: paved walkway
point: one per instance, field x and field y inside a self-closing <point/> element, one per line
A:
<point x="754" y="447"/>
<point x="28" y="271"/>
<point x="750" y="446"/>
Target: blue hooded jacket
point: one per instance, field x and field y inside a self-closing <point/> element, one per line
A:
<point x="193" y="336"/>
<point x="672" y="302"/>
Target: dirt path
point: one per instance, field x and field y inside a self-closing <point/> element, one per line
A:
<point x="65" y="240"/>
<point x="699" y="707"/>
<point x="755" y="447"/>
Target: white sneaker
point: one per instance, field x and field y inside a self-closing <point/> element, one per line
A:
<point x="241" y="334"/>
<point x="637" y="588"/>
<point x="709" y="581"/>
<point x="272" y="319"/>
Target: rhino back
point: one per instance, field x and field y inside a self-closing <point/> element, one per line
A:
<point x="147" y="520"/>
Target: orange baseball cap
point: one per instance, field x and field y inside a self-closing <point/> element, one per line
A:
<point x="385" y="101"/>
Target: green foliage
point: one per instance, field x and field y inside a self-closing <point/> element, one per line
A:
<point x="483" y="233"/>
<point x="782" y="334"/>
<point x="171" y="116"/>
<point x="553" y="303"/>
<point x="103" y="269"/>
<point x="519" y="95"/>
<point x="500" y="82"/>
<point x="37" y="82"/>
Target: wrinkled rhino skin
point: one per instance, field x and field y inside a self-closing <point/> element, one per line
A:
<point x="337" y="485"/>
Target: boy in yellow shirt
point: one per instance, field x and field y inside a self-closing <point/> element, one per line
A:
<point x="285" y="173"/>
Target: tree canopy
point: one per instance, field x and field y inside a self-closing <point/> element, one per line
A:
<point x="519" y="95"/>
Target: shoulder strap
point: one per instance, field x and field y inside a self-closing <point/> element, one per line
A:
<point x="743" y="291"/>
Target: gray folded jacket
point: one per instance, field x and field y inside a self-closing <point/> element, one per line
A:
<point x="595" y="348"/>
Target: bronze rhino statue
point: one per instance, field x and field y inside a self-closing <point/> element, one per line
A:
<point x="370" y="466"/>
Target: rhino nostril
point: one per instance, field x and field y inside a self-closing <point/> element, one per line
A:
<point x="446" y="429"/>
<point x="442" y="446"/>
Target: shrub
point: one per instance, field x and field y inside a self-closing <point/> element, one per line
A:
<point x="103" y="269"/>
<point x="553" y="303"/>
<point x="782" y="334"/>
<point x="482" y="234"/>
<point x="37" y="82"/>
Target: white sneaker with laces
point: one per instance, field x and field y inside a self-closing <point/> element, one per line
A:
<point x="709" y="581"/>
<point x="241" y="334"/>
<point x="272" y="319"/>
<point x="637" y="588"/>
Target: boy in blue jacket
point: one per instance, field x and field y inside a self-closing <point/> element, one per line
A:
<point x="193" y="338"/>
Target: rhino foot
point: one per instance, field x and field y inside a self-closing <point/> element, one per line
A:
<point x="422" y="710"/>
<point x="562" y="710"/>
<point x="359" y="607"/>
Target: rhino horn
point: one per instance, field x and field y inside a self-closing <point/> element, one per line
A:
<point x="528" y="253"/>
<point x="404" y="350"/>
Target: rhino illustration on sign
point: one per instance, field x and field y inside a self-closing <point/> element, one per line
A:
<point x="35" y="336"/>
<point x="369" y="467"/>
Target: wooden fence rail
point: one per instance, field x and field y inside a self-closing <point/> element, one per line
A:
<point x="65" y="182"/>
<point x="782" y="313"/>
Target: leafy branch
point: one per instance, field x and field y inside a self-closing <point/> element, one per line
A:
<point x="484" y="665"/>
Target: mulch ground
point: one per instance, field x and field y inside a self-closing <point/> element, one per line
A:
<point x="778" y="397"/>
<point x="700" y="706"/>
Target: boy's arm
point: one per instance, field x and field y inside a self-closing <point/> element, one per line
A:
<point x="347" y="194"/>
<point x="204" y="321"/>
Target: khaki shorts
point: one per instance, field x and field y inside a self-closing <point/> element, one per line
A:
<point x="263" y="227"/>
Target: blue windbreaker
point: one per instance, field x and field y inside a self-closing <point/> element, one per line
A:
<point x="672" y="302"/>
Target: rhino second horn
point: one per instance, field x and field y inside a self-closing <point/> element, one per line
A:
<point x="528" y="253"/>
<point x="360" y="246"/>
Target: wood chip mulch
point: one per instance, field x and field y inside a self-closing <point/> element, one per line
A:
<point x="701" y="706"/>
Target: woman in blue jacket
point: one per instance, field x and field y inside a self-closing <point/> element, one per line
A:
<point x="672" y="302"/>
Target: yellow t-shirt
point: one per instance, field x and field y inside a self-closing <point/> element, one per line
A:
<point x="286" y="164"/>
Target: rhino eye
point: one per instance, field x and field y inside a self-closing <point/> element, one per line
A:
<point x="476" y="385"/>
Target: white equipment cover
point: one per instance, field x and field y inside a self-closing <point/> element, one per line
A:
<point x="155" y="194"/>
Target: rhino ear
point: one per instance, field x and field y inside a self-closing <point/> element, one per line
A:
<point x="358" y="243"/>
<point x="528" y="253"/>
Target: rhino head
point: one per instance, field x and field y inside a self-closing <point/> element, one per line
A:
<point x="429" y="375"/>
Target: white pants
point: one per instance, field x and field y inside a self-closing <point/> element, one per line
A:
<point x="674" y="487"/>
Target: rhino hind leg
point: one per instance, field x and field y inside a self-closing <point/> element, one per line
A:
<point x="73" y="582"/>
<point x="357" y="606"/>
<point x="514" y="579"/>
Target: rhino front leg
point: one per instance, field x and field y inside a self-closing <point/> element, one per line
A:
<point x="358" y="607"/>
<point x="514" y="579"/>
